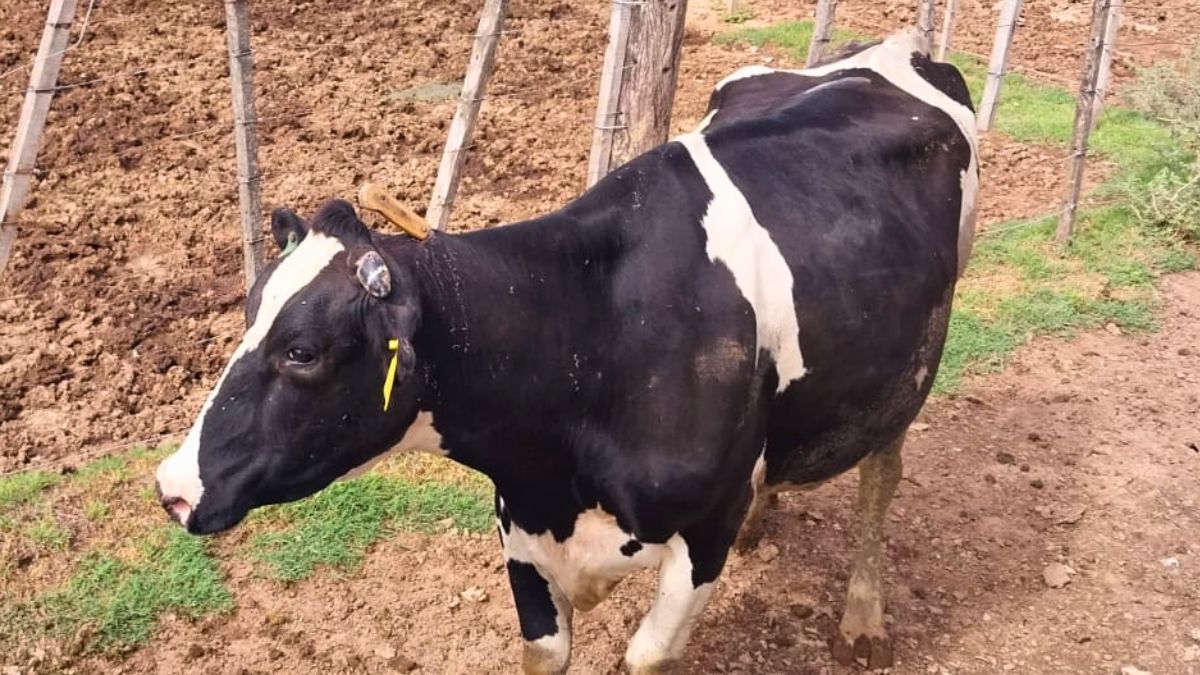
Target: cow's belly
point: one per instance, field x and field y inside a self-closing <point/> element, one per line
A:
<point x="588" y="564"/>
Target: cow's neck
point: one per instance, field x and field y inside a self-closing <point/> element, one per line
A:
<point x="511" y="334"/>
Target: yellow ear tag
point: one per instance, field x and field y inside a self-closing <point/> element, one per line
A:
<point x="390" y="381"/>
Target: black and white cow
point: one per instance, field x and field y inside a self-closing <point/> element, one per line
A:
<point x="757" y="305"/>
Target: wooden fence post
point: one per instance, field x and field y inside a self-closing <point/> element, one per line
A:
<point x="1001" y="45"/>
<point x="822" y="31"/>
<point x="1083" y="120"/>
<point x="948" y="17"/>
<point x="458" y="141"/>
<point x="637" y="87"/>
<point x="647" y="95"/>
<point x="926" y="10"/>
<point x="1111" y="27"/>
<point x="245" y="136"/>
<point x="19" y="174"/>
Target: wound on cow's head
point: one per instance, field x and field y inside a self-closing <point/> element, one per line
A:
<point x="299" y="404"/>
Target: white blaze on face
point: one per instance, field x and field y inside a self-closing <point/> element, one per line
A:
<point x="736" y="238"/>
<point x="179" y="475"/>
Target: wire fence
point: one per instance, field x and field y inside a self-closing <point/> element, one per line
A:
<point x="356" y="17"/>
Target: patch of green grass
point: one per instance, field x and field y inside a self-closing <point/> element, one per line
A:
<point x="46" y="533"/>
<point x="113" y="469"/>
<point x="790" y="37"/>
<point x="21" y="488"/>
<point x="95" y="509"/>
<point x="739" y="15"/>
<point x="121" y="600"/>
<point x="1174" y="258"/>
<point x="337" y="525"/>
<point x="973" y="345"/>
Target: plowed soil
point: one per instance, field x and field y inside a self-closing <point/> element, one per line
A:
<point x="123" y="298"/>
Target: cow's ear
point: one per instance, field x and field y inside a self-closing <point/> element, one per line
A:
<point x="288" y="229"/>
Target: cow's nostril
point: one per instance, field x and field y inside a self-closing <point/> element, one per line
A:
<point x="177" y="507"/>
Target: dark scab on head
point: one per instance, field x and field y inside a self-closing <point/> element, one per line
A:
<point x="631" y="547"/>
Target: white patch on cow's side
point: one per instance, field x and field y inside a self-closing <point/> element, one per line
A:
<point x="892" y="60"/>
<point x="969" y="179"/>
<point x="744" y="72"/>
<point x="707" y="119"/>
<point x="179" y="475"/>
<point x="736" y="238"/>
<point x="665" y="629"/>
<point x="589" y="564"/>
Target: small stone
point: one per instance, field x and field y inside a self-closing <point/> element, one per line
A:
<point x="1057" y="575"/>
<point x="1005" y="458"/>
<point x="1195" y="634"/>
<point x="1112" y="328"/>
<point x="1070" y="515"/>
<point x="1184" y="351"/>
<point x="274" y="653"/>
<point x="919" y="426"/>
<point x="1171" y="563"/>
<point x="475" y="594"/>
<point x="1191" y="654"/>
<point x="803" y="611"/>
<point x="768" y="552"/>
<point x="1134" y="670"/>
<point x="989" y="479"/>
<point x="402" y="664"/>
<point x="195" y="651"/>
<point x="1037" y="484"/>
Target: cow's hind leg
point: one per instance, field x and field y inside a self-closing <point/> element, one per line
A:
<point x="764" y="498"/>
<point x="862" y="636"/>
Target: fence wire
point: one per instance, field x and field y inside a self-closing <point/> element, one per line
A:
<point x="358" y="17"/>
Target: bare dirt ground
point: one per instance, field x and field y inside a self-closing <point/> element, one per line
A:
<point x="122" y="297"/>
<point x="124" y="292"/>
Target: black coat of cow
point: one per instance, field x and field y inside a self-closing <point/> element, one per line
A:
<point x="756" y="305"/>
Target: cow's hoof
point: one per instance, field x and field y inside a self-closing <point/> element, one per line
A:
<point x="537" y="660"/>
<point x="870" y="651"/>
<point x="665" y="667"/>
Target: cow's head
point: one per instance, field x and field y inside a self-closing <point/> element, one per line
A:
<point x="301" y="402"/>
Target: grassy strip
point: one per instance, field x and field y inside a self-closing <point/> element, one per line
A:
<point x="115" y="588"/>
<point x="335" y="526"/>
<point x="1020" y="284"/>
<point x="121" y="600"/>
<point x="22" y="488"/>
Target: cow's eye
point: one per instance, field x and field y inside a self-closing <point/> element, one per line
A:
<point x="300" y="356"/>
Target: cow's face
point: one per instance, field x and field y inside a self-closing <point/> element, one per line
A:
<point x="301" y="401"/>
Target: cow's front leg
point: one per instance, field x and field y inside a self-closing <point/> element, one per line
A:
<point x="862" y="635"/>
<point x="685" y="582"/>
<point x="545" y="617"/>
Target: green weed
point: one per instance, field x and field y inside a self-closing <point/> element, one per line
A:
<point x="337" y="525"/>
<point x="20" y="488"/>
<point x="790" y="37"/>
